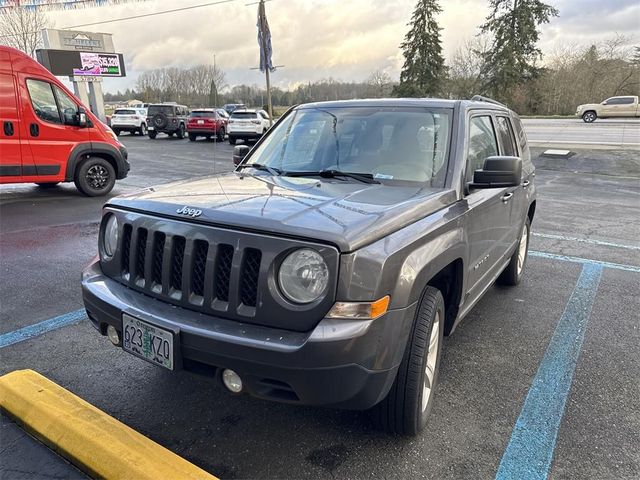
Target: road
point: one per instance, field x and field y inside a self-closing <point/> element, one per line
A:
<point x="571" y="133"/>
<point x="588" y="211"/>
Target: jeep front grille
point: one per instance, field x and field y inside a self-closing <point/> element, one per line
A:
<point x="196" y="272"/>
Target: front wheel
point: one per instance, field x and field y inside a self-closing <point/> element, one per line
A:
<point x="515" y="269"/>
<point x="589" y="117"/>
<point x="180" y="132"/>
<point x="406" y="408"/>
<point x="95" y="177"/>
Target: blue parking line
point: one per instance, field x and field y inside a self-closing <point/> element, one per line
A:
<point x="45" y="326"/>
<point x="565" y="258"/>
<point x="529" y="453"/>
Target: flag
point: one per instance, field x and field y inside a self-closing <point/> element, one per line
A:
<point x="264" y="40"/>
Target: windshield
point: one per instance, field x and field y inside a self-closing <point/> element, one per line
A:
<point x="166" y="109"/>
<point x="124" y="112"/>
<point x="393" y="144"/>
<point x="244" y="115"/>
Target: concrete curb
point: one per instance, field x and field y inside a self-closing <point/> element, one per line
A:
<point x="98" y="444"/>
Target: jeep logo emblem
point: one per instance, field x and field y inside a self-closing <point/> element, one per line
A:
<point x="192" y="212"/>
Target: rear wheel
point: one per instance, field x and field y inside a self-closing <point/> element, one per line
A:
<point x="153" y="135"/>
<point x="406" y="408"/>
<point x="143" y="129"/>
<point x="95" y="176"/>
<point x="232" y="140"/>
<point x="514" y="271"/>
<point x="221" y="134"/>
<point x="192" y="137"/>
<point x="116" y="131"/>
<point x="589" y="117"/>
<point x="180" y="132"/>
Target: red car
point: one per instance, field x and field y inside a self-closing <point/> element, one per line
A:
<point x="47" y="136"/>
<point x="206" y="122"/>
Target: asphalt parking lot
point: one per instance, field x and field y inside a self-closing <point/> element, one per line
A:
<point x="583" y="275"/>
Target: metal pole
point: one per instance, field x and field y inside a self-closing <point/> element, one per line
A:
<point x="266" y="70"/>
<point x="215" y="93"/>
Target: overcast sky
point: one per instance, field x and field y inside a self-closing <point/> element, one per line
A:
<point x="315" y="39"/>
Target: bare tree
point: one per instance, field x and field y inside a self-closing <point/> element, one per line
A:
<point x="380" y="84"/>
<point x="20" y="28"/>
<point x="465" y="68"/>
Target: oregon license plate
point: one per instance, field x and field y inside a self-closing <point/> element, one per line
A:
<point x="150" y="128"/>
<point x="147" y="341"/>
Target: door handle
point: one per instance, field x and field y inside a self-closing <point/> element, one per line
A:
<point x="34" y="129"/>
<point x="8" y="129"/>
<point x="526" y="183"/>
<point x="506" y="197"/>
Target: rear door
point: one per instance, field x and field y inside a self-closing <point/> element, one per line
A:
<point x="11" y="156"/>
<point x="509" y="147"/>
<point x="489" y="228"/>
<point x="48" y="117"/>
<point x="617" y="107"/>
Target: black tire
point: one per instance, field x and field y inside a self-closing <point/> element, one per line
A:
<point x="47" y="185"/>
<point x="95" y="177"/>
<point x="153" y="134"/>
<point x="402" y="410"/>
<point x="160" y="121"/>
<point x="221" y="134"/>
<point x="143" y="129"/>
<point x="589" y="116"/>
<point x="180" y="132"/>
<point x="192" y="137"/>
<point x="116" y="131"/>
<point x="512" y="275"/>
<point x="232" y="140"/>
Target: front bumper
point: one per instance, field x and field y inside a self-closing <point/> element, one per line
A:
<point x="346" y="364"/>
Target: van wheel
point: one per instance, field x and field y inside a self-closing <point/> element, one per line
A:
<point x="406" y="408"/>
<point x="514" y="271"/>
<point x="95" y="177"/>
<point x="47" y="185"/>
<point x="153" y="134"/>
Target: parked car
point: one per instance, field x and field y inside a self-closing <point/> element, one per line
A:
<point x="247" y="125"/>
<point x="167" y="118"/>
<point x="132" y="120"/>
<point x="326" y="269"/>
<point x="625" y="106"/>
<point x="48" y="136"/>
<point x="231" y="107"/>
<point x="223" y="113"/>
<point x="206" y="122"/>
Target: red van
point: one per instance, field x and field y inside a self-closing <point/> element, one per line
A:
<point x="47" y="136"/>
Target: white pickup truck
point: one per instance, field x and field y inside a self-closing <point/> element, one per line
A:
<point x="625" y="106"/>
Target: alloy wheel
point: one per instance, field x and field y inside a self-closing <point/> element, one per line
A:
<point x="432" y="358"/>
<point x="97" y="177"/>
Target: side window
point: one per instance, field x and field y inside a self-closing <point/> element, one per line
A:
<point x="626" y="100"/>
<point x="482" y="144"/>
<point x="507" y="139"/>
<point x="67" y="106"/>
<point x="43" y="101"/>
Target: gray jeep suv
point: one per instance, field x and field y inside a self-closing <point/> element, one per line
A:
<point x="167" y="118"/>
<point x="327" y="267"/>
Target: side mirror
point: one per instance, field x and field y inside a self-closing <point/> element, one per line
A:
<point x="81" y="118"/>
<point x="604" y="102"/>
<point x="498" y="172"/>
<point x="239" y="153"/>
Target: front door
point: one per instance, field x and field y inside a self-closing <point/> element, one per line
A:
<point x="489" y="228"/>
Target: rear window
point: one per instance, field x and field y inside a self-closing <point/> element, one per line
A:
<point x="124" y="112"/>
<point x="243" y="115"/>
<point x="154" y="109"/>
<point x="202" y="114"/>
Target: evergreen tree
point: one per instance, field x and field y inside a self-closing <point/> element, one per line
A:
<point x="424" y="70"/>
<point x="511" y="60"/>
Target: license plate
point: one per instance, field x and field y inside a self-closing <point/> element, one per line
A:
<point x="151" y="128"/>
<point x="200" y="122"/>
<point x="147" y="341"/>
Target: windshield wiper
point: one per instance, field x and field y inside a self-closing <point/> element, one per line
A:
<point x="258" y="166"/>
<point x="362" y="177"/>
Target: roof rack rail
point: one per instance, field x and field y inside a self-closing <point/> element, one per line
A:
<point x="480" y="98"/>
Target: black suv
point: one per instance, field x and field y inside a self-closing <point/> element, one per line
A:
<point x="167" y="118"/>
<point x="327" y="267"/>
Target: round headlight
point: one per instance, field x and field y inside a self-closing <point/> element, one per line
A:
<point x="110" y="240"/>
<point x="303" y="276"/>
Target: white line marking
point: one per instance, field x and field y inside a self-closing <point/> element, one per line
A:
<point x="585" y="240"/>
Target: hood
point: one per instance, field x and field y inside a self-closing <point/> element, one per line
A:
<point x="589" y="105"/>
<point x="346" y="214"/>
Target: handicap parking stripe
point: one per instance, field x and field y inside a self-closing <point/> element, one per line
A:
<point x="530" y="449"/>
<point x="45" y="326"/>
<point x="584" y="261"/>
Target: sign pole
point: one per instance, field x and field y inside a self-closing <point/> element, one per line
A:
<point x="266" y="69"/>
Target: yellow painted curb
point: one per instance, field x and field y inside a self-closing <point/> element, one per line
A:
<point x="98" y="444"/>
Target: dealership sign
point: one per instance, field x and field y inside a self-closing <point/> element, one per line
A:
<point x="82" y="64"/>
<point x="77" y="41"/>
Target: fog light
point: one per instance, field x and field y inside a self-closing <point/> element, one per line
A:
<point x="113" y="335"/>
<point x="232" y="380"/>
